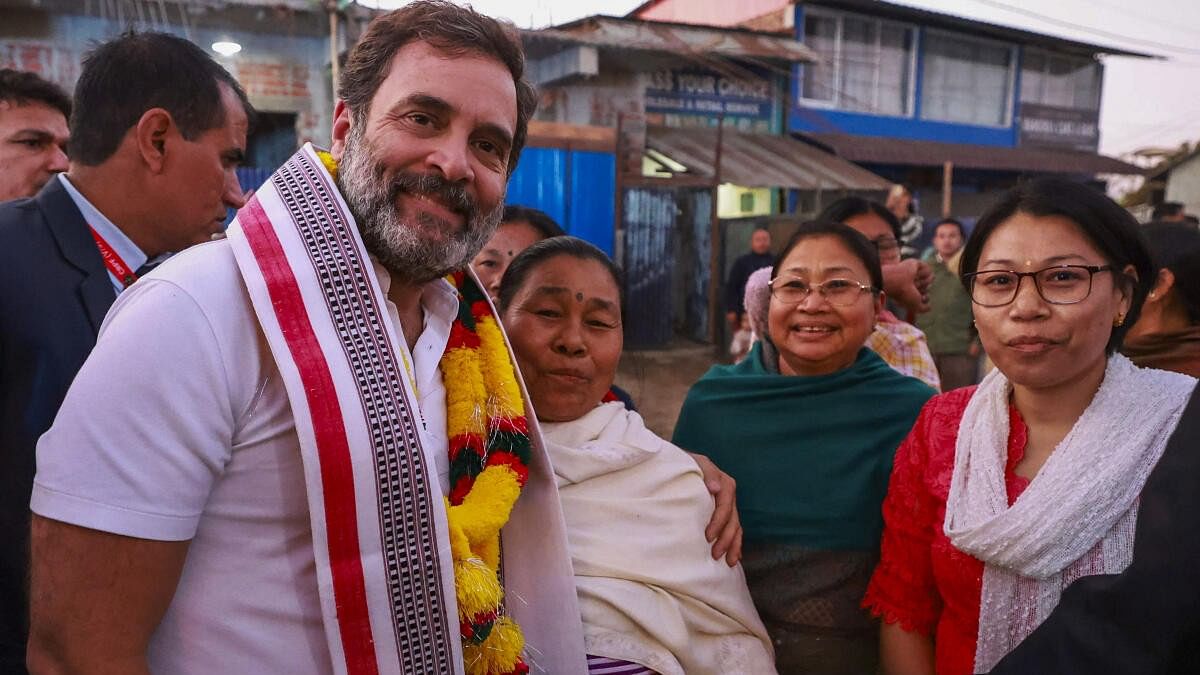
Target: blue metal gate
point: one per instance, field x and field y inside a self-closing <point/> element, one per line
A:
<point x="697" y="208"/>
<point x="648" y="221"/>
<point x="666" y="263"/>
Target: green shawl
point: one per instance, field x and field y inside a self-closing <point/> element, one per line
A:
<point x="811" y="455"/>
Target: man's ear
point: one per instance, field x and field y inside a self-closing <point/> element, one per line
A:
<point x="342" y="124"/>
<point x="151" y="134"/>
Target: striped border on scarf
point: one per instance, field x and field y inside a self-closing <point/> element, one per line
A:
<point x="405" y="517"/>
<point x="349" y="587"/>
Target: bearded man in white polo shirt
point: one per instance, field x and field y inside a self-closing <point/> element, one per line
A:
<point x="293" y="450"/>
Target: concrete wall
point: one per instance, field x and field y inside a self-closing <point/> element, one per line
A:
<point x="280" y="72"/>
<point x="596" y="101"/>
<point x="1184" y="185"/>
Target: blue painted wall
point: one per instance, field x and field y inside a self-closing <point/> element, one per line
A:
<point x="821" y="120"/>
<point x="575" y="187"/>
<point x="862" y="124"/>
<point x="540" y="182"/>
<point x="591" y="201"/>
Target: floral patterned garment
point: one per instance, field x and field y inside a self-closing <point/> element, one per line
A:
<point x="922" y="581"/>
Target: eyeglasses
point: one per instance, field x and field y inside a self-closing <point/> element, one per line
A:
<point x="841" y="292"/>
<point x="1058" y="285"/>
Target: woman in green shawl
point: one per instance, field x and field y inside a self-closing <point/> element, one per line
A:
<point x="807" y="424"/>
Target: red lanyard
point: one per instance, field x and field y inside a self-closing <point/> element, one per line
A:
<point x="113" y="261"/>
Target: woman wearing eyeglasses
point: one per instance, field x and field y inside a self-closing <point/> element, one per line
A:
<point x="1005" y="493"/>
<point x="906" y="284"/>
<point x="807" y="425"/>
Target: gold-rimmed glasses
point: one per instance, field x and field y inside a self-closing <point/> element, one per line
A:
<point x="840" y="292"/>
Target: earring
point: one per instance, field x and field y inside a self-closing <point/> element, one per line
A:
<point x="1119" y="321"/>
<point x="1152" y="294"/>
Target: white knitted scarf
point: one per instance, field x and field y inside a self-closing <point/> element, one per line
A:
<point x="1077" y="516"/>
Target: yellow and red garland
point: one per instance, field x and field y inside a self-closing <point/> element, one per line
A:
<point x="489" y="460"/>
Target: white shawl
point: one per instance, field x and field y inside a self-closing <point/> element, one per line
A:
<point x="1077" y="516"/>
<point x="650" y="592"/>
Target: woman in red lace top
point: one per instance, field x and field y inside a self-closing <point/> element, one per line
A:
<point x="975" y="551"/>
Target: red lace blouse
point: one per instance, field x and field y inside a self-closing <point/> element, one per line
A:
<point x="922" y="581"/>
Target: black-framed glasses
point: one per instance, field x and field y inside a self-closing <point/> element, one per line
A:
<point x="841" y="292"/>
<point x="1058" y="285"/>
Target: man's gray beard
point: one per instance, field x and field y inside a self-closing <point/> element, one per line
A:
<point x="396" y="242"/>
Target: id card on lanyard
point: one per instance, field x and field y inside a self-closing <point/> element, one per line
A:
<point x="113" y="261"/>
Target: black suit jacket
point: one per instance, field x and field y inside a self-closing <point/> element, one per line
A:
<point x="54" y="293"/>
<point x="1146" y="620"/>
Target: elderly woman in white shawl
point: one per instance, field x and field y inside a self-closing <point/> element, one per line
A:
<point x="652" y="597"/>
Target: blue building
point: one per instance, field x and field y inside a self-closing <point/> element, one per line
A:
<point x="666" y="144"/>
<point x="930" y="99"/>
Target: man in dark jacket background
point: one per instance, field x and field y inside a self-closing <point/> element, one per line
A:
<point x="158" y="129"/>
<point x="735" y="287"/>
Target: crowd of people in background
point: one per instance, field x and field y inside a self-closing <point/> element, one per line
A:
<point x="375" y="428"/>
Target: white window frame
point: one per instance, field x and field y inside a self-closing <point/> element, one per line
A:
<point x="1047" y="55"/>
<point x="1013" y="66"/>
<point x="840" y="17"/>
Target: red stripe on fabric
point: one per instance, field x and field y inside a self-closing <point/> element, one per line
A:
<point x="333" y="449"/>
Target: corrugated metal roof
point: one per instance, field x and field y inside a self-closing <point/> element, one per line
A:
<point x="677" y="38"/>
<point x="968" y="25"/>
<point x="761" y="160"/>
<point x="959" y="22"/>
<point x="872" y="150"/>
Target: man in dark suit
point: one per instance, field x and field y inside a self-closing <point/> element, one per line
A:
<point x="1145" y="620"/>
<point x="157" y="131"/>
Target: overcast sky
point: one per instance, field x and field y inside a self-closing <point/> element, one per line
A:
<point x="1145" y="102"/>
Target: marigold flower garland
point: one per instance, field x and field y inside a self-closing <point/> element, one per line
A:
<point x="489" y="458"/>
